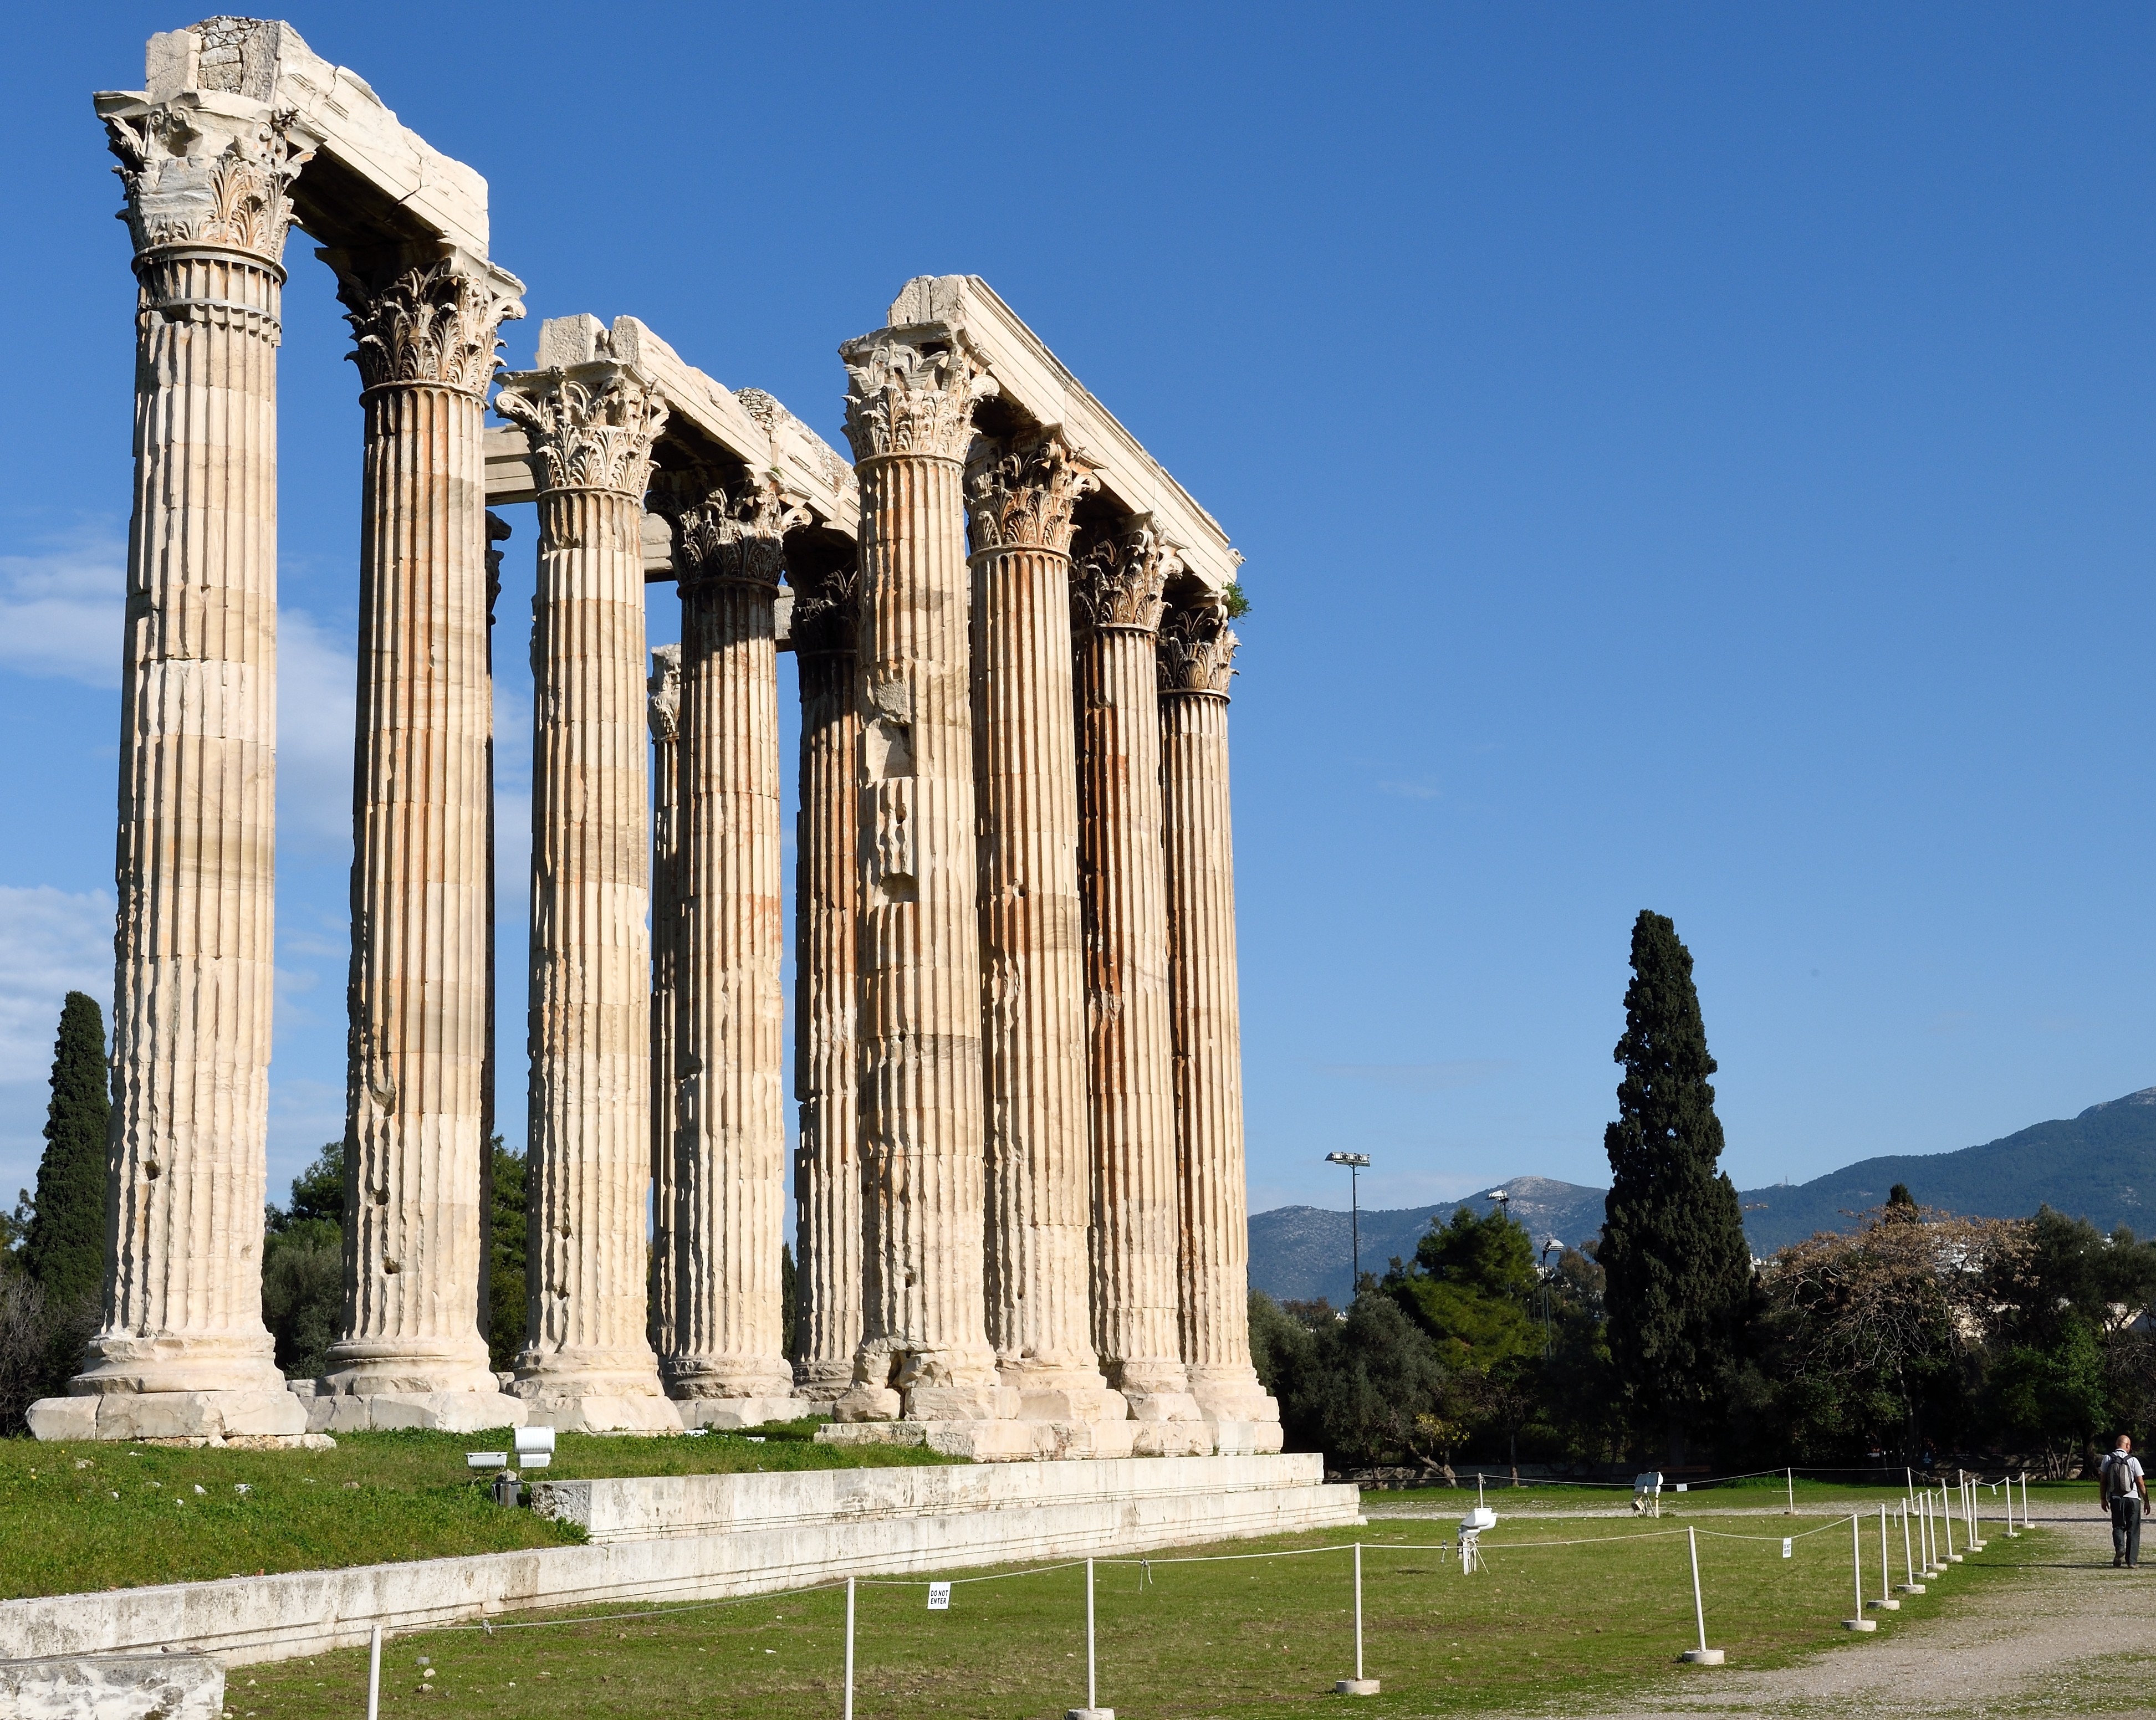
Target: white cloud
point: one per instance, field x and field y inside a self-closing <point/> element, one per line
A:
<point x="317" y="699"/>
<point x="61" y="609"/>
<point x="51" y="943"/>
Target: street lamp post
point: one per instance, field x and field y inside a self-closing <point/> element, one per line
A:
<point x="1357" y="1163"/>
<point x="1552" y="1243"/>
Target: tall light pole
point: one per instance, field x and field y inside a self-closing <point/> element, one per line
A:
<point x="1545" y="1275"/>
<point x="1357" y="1164"/>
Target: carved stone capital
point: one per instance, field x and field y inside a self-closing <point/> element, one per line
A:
<point x="432" y="323"/>
<point x="912" y="391"/>
<point x="195" y="177"/>
<point x="593" y="424"/>
<point x="1118" y="580"/>
<point x="739" y="536"/>
<point x="827" y="615"/>
<point x="665" y="688"/>
<point x="1197" y="648"/>
<point x="1021" y="497"/>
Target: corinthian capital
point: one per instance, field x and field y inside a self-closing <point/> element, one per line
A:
<point x="826" y="613"/>
<point x="911" y="396"/>
<point x="1197" y="650"/>
<point x="593" y="424"/>
<point x="737" y="536"/>
<point x="1023" y="499"/>
<point x="1118" y="581"/>
<point x="664" y="688"/>
<point x="435" y="322"/>
<point x="197" y="177"/>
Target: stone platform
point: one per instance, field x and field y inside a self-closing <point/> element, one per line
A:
<point x="708" y="1536"/>
<point x="1021" y="1441"/>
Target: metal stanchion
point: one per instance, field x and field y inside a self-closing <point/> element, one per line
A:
<point x="1092" y="1710"/>
<point x="1702" y="1656"/>
<point x="1359" y="1685"/>
<point x="1885" y="1602"/>
<point x="849" y="1649"/>
<point x="374" y="1675"/>
<point x="1909" y="1558"/>
<point x="1856" y="1572"/>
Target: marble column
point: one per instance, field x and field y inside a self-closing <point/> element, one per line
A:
<point x="1033" y="1025"/>
<point x="425" y="340"/>
<point x="1197" y="650"/>
<point x="663" y="691"/>
<point x="588" y="1362"/>
<point x="1116" y="603"/>
<point x="827" y="1167"/>
<point x="181" y="1350"/>
<point x="924" y="1351"/>
<point x="728" y="1362"/>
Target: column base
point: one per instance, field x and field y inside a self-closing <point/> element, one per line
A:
<point x="727" y="1413"/>
<point x="192" y="1417"/>
<point x="440" y="1412"/>
<point x="823" y="1382"/>
<point x="1244" y="1439"/>
<point x="566" y="1410"/>
<point x="1010" y="1441"/>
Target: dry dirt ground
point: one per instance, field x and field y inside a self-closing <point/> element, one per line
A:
<point x="2067" y="1635"/>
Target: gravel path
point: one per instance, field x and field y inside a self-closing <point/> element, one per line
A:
<point x="2065" y="1634"/>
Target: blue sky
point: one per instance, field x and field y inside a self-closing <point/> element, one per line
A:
<point x="1687" y="457"/>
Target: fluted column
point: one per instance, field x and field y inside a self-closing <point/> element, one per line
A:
<point x="1197" y="651"/>
<point x="924" y="1351"/>
<point x="663" y="690"/>
<point x="424" y="340"/>
<point x="1117" y="600"/>
<point x="1032" y="1025"/>
<point x="730" y="1145"/>
<point x="181" y="1349"/>
<point x="827" y="1171"/>
<point x="588" y="1361"/>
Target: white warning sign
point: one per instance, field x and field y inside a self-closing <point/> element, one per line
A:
<point x="939" y="1597"/>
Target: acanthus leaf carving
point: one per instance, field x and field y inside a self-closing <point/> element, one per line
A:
<point x="183" y="190"/>
<point x="739" y="535"/>
<point x="1197" y="647"/>
<point x="1118" y="581"/>
<point x="912" y="396"/>
<point x="1023" y="499"/>
<point x="436" y="323"/>
<point x="827" y="615"/>
<point x="592" y="424"/>
<point x="665" y="688"/>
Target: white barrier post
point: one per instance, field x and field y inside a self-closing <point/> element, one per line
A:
<point x="1856" y="1572"/>
<point x="1924" y="1533"/>
<point x="1946" y="1522"/>
<point x="1702" y="1656"/>
<point x="1909" y="1558"/>
<point x="1790" y="1480"/>
<point x="374" y="1676"/>
<point x="1359" y="1685"/>
<point x="1885" y="1602"/>
<point x="849" y="1649"/>
<point x="1091" y="1711"/>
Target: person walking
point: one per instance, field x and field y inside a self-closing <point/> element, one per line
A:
<point x="2123" y="1488"/>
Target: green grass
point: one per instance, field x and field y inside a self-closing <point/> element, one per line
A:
<point x="77" y="1516"/>
<point x="1551" y="1629"/>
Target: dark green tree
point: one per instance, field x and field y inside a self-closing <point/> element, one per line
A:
<point x="63" y="1250"/>
<point x="789" y="1288"/>
<point x="1679" y="1268"/>
<point x="507" y="1314"/>
<point x="303" y="1267"/>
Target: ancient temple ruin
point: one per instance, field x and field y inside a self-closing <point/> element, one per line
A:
<point x="1018" y="1180"/>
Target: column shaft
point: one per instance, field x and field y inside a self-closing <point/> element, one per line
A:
<point x="1196" y="648"/>
<point x="1136" y="1213"/>
<point x="588" y="1362"/>
<point x="924" y="1350"/>
<point x="425" y="343"/>
<point x="730" y="1148"/>
<point x="827" y="1184"/>
<point x="1034" y="1040"/>
<point x="665" y="688"/>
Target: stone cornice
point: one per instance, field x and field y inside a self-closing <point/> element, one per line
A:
<point x="591" y="425"/>
<point x="738" y="538"/>
<point x="1117" y="582"/>
<point x="196" y="175"/>
<point x="1021" y="498"/>
<point x="1197" y="649"/>
<point x="664" y="711"/>
<point x="911" y="390"/>
<point x="434" y="323"/>
<point x="827" y="614"/>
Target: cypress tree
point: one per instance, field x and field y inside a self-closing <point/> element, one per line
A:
<point x="1673" y="1246"/>
<point x="64" y="1249"/>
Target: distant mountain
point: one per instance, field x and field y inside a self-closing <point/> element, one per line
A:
<point x="2100" y="1166"/>
<point x="1301" y="1252"/>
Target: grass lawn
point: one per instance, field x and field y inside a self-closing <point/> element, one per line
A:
<point x="76" y="1517"/>
<point x="1545" y="1628"/>
<point x="1753" y="1493"/>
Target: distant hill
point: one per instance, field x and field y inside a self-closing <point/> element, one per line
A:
<point x="2100" y="1166"/>
<point x="1298" y="1253"/>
